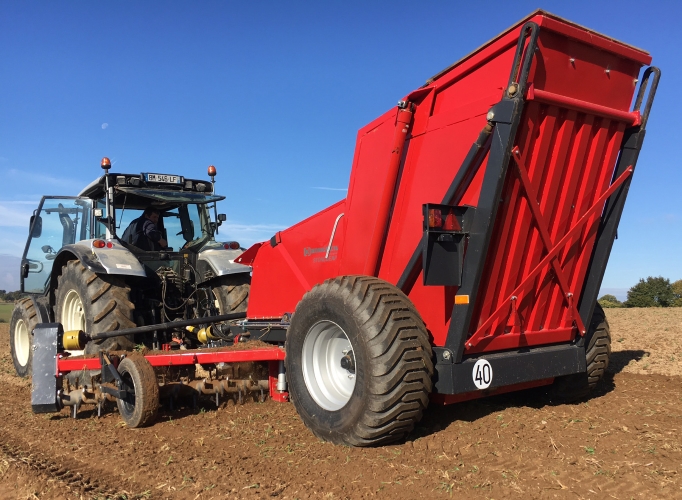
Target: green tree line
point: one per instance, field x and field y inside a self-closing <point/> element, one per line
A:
<point x="650" y="292"/>
<point x="10" y="296"/>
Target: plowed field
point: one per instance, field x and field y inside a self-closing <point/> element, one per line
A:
<point x="625" y="442"/>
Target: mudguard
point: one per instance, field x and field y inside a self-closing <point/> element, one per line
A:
<point x="114" y="260"/>
<point x="219" y="261"/>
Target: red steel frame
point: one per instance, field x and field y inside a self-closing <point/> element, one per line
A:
<point x="577" y="109"/>
<point x="271" y="355"/>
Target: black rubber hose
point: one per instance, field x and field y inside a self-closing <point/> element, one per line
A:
<point x="167" y="326"/>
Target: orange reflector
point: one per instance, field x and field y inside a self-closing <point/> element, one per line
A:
<point x="461" y="299"/>
<point x="435" y="219"/>
<point x="99" y="244"/>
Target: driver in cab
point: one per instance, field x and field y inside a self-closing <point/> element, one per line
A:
<point x="143" y="232"/>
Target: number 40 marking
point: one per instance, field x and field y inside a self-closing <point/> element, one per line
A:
<point x="482" y="374"/>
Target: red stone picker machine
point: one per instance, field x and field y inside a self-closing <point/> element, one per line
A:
<point x="465" y="260"/>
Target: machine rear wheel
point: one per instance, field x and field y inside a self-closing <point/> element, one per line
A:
<point x="142" y="404"/>
<point x="597" y="354"/>
<point x="94" y="303"/>
<point x="358" y="362"/>
<point x="24" y="320"/>
<point x="231" y="293"/>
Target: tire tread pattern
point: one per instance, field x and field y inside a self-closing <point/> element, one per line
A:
<point x="25" y="309"/>
<point x="597" y="353"/>
<point x="106" y="302"/>
<point x="232" y="293"/>
<point x="400" y="370"/>
<point x="146" y="392"/>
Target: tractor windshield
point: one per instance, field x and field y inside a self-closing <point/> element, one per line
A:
<point x="182" y="226"/>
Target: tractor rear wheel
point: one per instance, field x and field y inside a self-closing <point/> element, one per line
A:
<point x="24" y="320"/>
<point x="141" y="405"/>
<point x="232" y="293"/>
<point x="94" y="303"/>
<point x="597" y="354"/>
<point x="358" y="362"/>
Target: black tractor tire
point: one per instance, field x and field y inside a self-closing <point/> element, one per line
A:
<point x="232" y="293"/>
<point x="104" y="302"/>
<point x="597" y="353"/>
<point x="142" y="404"/>
<point x="24" y="320"/>
<point x="390" y="354"/>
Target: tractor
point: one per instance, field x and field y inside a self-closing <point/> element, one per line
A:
<point x="81" y="269"/>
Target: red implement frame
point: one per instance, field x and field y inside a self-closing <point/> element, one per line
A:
<point x="551" y="258"/>
<point x="555" y="145"/>
<point x="272" y="356"/>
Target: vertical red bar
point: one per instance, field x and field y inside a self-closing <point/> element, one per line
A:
<point x="402" y="128"/>
<point x="275" y="395"/>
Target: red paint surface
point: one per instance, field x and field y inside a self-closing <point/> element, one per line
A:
<point x="577" y="110"/>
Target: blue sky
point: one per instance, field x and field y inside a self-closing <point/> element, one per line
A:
<point x="272" y="94"/>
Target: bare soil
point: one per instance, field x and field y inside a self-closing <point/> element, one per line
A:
<point x="624" y="442"/>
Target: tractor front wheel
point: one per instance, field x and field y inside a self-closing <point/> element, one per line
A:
<point x="358" y="362"/>
<point x="24" y="320"/>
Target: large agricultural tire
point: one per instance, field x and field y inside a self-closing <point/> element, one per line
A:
<point x="24" y="320"/>
<point x="597" y="353"/>
<point x="232" y="293"/>
<point x="358" y="362"/>
<point x="142" y="404"/>
<point x="94" y="303"/>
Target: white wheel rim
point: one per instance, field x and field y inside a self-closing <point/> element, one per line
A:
<point x="22" y="342"/>
<point x="72" y="312"/>
<point x="328" y="383"/>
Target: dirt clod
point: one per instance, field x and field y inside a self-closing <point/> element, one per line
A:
<point x="624" y="442"/>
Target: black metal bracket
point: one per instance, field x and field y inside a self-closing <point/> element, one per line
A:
<point x="507" y="368"/>
<point x="506" y="115"/>
<point x="46" y="380"/>
<point x="109" y="371"/>
<point x="118" y="394"/>
<point x="633" y="139"/>
<point x="444" y="240"/>
<point x="110" y="374"/>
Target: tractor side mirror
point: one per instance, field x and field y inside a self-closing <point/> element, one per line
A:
<point x="36" y="226"/>
<point x="221" y="218"/>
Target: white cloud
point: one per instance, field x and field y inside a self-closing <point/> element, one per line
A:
<point x="17" y="213"/>
<point x="330" y="189"/>
<point x="44" y="183"/>
<point x="249" y="234"/>
<point x="104" y="126"/>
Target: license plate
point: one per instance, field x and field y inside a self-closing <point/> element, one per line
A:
<point x="168" y="179"/>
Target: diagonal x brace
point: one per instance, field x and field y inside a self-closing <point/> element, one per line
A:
<point x="541" y="224"/>
<point x="504" y="307"/>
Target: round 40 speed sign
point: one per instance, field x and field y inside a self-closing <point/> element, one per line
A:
<point x="482" y="374"/>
